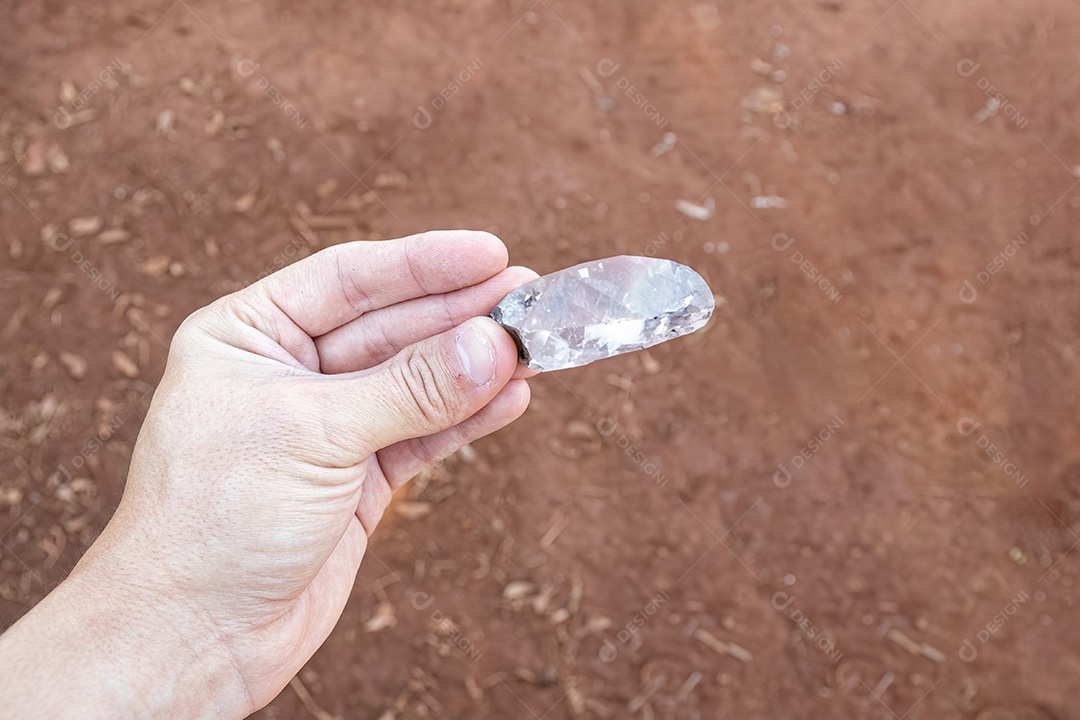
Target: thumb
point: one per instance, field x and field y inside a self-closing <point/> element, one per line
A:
<point x="430" y="386"/>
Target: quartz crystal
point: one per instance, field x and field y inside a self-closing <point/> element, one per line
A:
<point x="603" y="308"/>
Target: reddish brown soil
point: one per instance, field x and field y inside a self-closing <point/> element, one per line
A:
<point x="899" y="538"/>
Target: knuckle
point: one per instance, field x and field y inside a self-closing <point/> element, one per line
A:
<point x="191" y="332"/>
<point x="431" y="450"/>
<point x="420" y="384"/>
<point x="375" y="498"/>
<point x="408" y="251"/>
<point x="355" y="296"/>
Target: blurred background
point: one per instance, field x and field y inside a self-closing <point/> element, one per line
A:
<point x="856" y="493"/>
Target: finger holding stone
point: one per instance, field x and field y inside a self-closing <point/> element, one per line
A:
<point x="426" y="388"/>
<point x="342" y="282"/>
<point x="381" y="334"/>
<point x="523" y="371"/>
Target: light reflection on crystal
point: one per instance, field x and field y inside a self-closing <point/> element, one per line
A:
<point x="603" y="308"/>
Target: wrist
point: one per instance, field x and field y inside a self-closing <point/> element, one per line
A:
<point x="101" y="645"/>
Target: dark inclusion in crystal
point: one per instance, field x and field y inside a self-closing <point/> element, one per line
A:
<point x="603" y="308"/>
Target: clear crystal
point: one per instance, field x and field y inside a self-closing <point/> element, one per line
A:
<point x="603" y="308"/>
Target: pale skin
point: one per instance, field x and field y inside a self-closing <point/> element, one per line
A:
<point x="288" y="414"/>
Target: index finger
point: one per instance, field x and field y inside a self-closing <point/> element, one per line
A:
<point x="339" y="284"/>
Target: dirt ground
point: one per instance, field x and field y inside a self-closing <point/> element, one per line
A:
<point x="856" y="493"/>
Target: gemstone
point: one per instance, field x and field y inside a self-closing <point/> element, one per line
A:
<point x="603" y="308"/>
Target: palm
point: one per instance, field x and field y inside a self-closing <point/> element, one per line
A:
<point x="312" y="462"/>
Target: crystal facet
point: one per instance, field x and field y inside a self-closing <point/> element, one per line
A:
<point x="603" y="308"/>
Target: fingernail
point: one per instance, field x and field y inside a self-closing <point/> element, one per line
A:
<point x="476" y="352"/>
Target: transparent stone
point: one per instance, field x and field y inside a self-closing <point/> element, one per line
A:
<point x="603" y="308"/>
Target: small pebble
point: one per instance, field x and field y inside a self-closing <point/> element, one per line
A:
<point x="83" y="226"/>
<point x="165" y="120"/>
<point x="468" y="454"/>
<point x="125" y="365"/>
<point x="75" y="365"/>
<point x="413" y="510"/>
<point x="52" y="298"/>
<point x="113" y="236"/>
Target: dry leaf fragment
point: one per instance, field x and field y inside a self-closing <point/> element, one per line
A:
<point x="75" y="365"/>
<point x="57" y="160"/>
<point x="382" y="619"/>
<point x="83" y="226"/>
<point x="52" y="298"/>
<point x="518" y="589"/>
<point x="165" y="122"/>
<point x="721" y="647"/>
<point x="468" y="454"/>
<point x="245" y="202"/>
<point x="155" y="266"/>
<point x="125" y="365"/>
<point x="277" y="149"/>
<point x="32" y="161"/>
<point x="412" y="510"/>
<point x="904" y="641"/>
<point x="113" y="236"/>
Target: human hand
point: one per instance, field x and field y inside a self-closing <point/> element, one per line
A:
<point x="288" y="414"/>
